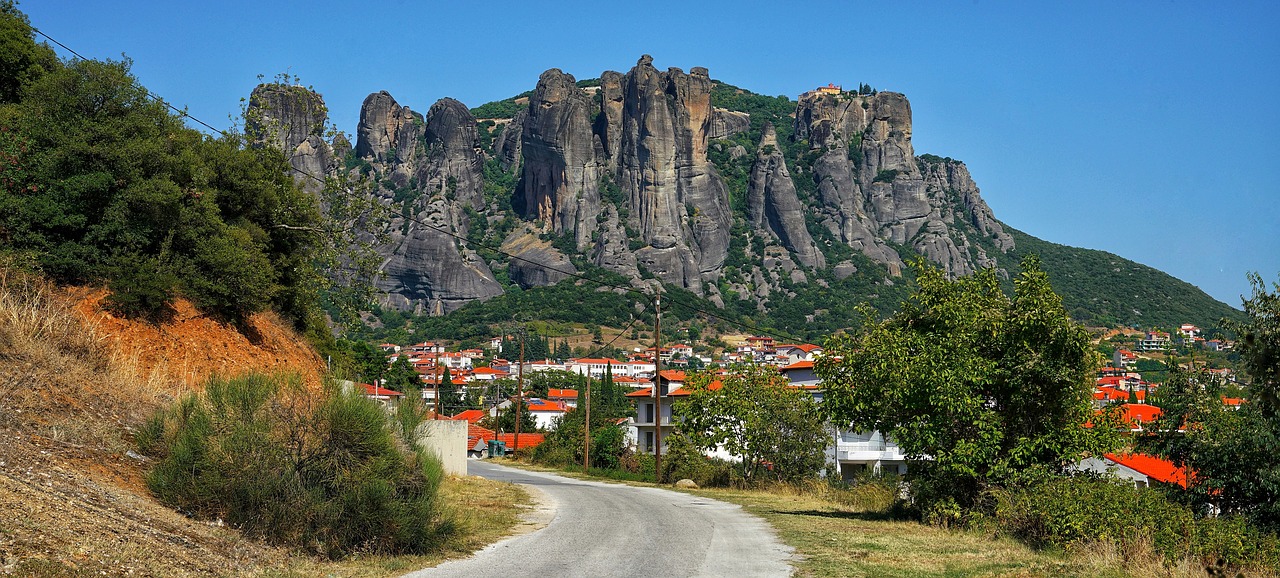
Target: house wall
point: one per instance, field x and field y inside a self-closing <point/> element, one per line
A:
<point x="447" y="439"/>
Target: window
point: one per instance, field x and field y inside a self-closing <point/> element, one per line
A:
<point x="648" y="441"/>
<point x="648" y="413"/>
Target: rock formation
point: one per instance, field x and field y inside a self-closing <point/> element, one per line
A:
<point x="772" y="204"/>
<point x="292" y="119"/>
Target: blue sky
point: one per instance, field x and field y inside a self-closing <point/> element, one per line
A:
<point x="1147" y="129"/>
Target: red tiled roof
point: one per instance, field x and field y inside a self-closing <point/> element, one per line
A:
<point x="527" y="440"/>
<point x="544" y="405"/>
<point x="1138" y="413"/>
<point x="1233" y="401"/>
<point x="672" y="375"/>
<point x="646" y="392"/>
<point x="488" y="371"/>
<point x="554" y="393"/>
<point x="1152" y="467"/>
<point x="600" y="361"/>
<point x="376" y="390"/>
<point x="470" y="416"/>
<point x="799" y="365"/>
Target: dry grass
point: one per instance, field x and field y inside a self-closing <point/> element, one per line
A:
<point x="72" y="497"/>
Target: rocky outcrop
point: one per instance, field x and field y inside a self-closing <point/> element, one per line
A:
<point x="679" y="204"/>
<point x="561" y="171"/>
<point x="292" y="119"/>
<point x="451" y="162"/>
<point x="726" y="123"/>
<point x="873" y="188"/>
<point x="772" y="204"/>
<point x="509" y="146"/>
<point x="426" y="273"/>
<point x="535" y="262"/>
<point x="387" y="131"/>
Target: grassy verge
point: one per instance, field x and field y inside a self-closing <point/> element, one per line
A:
<point x="833" y="539"/>
<point x="485" y="511"/>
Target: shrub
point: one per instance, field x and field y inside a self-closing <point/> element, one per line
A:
<point x="1083" y="510"/>
<point x="320" y="472"/>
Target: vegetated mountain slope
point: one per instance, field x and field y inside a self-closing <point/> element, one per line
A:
<point x="782" y="213"/>
<point x="1112" y="291"/>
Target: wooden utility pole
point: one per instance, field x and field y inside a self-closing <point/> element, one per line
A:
<point x="519" y="391"/>
<point x="436" y="370"/>
<point x="657" y="385"/>
<point x="586" y="450"/>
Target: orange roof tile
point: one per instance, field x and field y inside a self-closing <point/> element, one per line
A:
<point x="799" y="365"/>
<point x="1152" y="467"/>
<point x="470" y="416"/>
<point x="554" y="393"/>
<point x="376" y="390"/>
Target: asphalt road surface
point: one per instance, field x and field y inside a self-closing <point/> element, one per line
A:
<point x="603" y="529"/>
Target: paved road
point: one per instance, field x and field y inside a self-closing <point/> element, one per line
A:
<point x="614" y="530"/>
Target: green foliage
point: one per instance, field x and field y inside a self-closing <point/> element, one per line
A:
<point x="1080" y="511"/>
<point x="1232" y="452"/>
<point x="506" y="108"/>
<point x="116" y="190"/>
<point x="991" y="389"/>
<point x="885" y="176"/>
<point x="320" y="473"/>
<point x="1100" y="288"/>
<point x="22" y="61"/>
<point x="400" y="376"/>
<point x="752" y="413"/>
<point x="506" y="419"/>
<point x="685" y="460"/>
<point x="1259" y="344"/>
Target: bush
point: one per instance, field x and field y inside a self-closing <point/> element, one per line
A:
<point x="325" y="473"/>
<point x="683" y="460"/>
<point x="1084" y="510"/>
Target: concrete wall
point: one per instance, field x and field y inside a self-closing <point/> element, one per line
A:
<point x="448" y="440"/>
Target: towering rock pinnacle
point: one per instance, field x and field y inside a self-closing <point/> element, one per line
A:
<point x="292" y="119"/>
<point x="679" y="203"/>
<point x="561" y="169"/>
<point x="387" y="131"/>
<point x="436" y="172"/>
<point x="772" y="204"/>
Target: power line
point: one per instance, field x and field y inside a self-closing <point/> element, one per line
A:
<point x="181" y="112"/>
<point x="757" y="330"/>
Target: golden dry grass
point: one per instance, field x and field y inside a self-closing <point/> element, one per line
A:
<point x="72" y="497"/>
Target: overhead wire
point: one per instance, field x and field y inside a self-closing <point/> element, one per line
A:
<point x="574" y="274"/>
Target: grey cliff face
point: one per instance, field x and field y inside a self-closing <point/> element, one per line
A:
<point x="428" y="270"/>
<point x="621" y="169"/>
<point x="772" y="204"/>
<point x="387" y="131"/>
<point x="679" y="204"/>
<point x="292" y="119"/>
<point x="873" y="189"/>
<point x="561" y="170"/>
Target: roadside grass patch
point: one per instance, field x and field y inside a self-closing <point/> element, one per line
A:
<point x="492" y="511"/>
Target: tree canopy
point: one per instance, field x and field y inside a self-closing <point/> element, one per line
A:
<point x="977" y="387"/>
<point x="1230" y="452"/>
<point x="753" y="413"/>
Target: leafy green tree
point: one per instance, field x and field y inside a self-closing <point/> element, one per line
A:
<point x="979" y="389"/>
<point x="1230" y="452"/>
<point x="401" y="376"/>
<point x="367" y="362"/>
<point x="451" y="401"/>
<point x="506" y="420"/>
<point x="21" y="58"/>
<point x="540" y="383"/>
<point x="754" y="414"/>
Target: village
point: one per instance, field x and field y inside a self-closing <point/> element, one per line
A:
<point x="488" y="381"/>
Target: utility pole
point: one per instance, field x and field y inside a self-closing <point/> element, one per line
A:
<point x="519" y="391"/>
<point x="436" y="370"/>
<point x="657" y="384"/>
<point x="586" y="450"/>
